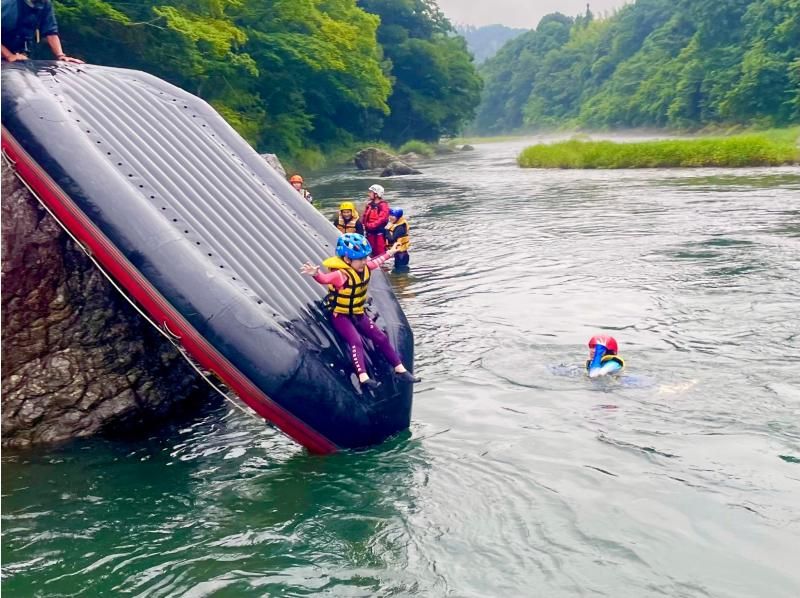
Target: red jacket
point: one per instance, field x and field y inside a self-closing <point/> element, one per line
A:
<point x="375" y="216"/>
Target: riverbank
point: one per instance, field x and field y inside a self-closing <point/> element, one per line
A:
<point x="773" y="147"/>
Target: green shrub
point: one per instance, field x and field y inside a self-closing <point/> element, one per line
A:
<point x="418" y="147"/>
<point x="769" y="148"/>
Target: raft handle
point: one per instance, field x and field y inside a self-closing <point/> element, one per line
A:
<point x="169" y="332"/>
<point x="9" y="159"/>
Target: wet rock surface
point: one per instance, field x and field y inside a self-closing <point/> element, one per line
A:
<point x="398" y="168"/>
<point x="275" y="162"/>
<point x="78" y="359"/>
<point x="373" y="158"/>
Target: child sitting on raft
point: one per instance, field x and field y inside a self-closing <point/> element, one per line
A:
<point x="603" y="358"/>
<point x="347" y="295"/>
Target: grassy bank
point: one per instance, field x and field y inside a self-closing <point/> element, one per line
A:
<point x="767" y="148"/>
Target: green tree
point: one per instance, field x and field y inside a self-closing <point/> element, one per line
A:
<point x="287" y="74"/>
<point x="435" y="85"/>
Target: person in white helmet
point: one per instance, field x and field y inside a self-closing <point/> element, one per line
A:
<point x="375" y="218"/>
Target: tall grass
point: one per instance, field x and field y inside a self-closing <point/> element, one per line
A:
<point x="768" y="148"/>
<point x="418" y="147"/>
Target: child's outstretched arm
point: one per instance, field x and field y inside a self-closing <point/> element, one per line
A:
<point x="377" y="261"/>
<point x="336" y="278"/>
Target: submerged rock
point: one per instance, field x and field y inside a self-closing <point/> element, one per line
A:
<point x="398" y="168"/>
<point x="78" y="359"/>
<point x="373" y="158"/>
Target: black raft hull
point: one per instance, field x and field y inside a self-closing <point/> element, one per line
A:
<point x="197" y="229"/>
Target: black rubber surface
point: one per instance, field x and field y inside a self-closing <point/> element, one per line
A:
<point x="213" y="228"/>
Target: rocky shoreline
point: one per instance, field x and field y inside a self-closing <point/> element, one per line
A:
<point x="78" y="359"/>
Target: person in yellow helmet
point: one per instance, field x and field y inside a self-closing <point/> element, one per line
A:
<point x="297" y="182"/>
<point x="347" y="220"/>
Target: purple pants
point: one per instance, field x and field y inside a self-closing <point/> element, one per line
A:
<point x="351" y="328"/>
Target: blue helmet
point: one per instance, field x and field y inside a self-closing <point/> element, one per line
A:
<point x="353" y="246"/>
<point x="396" y="212"/>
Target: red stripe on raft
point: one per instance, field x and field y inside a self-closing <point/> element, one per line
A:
<point x="117" y="265"/>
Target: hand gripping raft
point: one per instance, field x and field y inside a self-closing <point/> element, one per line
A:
<point x="206" y="239"/>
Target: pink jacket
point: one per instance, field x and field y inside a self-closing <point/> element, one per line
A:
<point x="338" y="278"/>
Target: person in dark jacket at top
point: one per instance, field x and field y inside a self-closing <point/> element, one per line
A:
<point x="375" y="218"/>
<point x="24" y="23"/>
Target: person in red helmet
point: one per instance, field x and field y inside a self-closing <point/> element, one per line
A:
<point x="603" y="358"/>
<point x="297" y="182"/>
<point x="375" y="218"/>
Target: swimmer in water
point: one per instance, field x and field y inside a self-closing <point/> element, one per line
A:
<point x="603" y="359"/>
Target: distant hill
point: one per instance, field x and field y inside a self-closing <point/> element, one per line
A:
<point x="484" y="42"/>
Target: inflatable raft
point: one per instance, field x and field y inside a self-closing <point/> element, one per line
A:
<point x="206" y="239"/>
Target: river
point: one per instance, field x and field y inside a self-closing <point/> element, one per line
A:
<point x="520" y="476"/>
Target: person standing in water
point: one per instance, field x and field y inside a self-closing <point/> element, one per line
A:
<point x="375" y="219"/>
<point x="347" y="280"/>
<point x="297" y="182"/>
<point x="346" y="220"/>
<point x="397" y="232"/>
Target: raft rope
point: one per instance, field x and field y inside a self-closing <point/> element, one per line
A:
<point x="162" y="328"/>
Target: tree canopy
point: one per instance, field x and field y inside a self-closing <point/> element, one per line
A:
<point x="674" y="63"/>
<point x="436" y="86"/>
<point x="292" y="74"/>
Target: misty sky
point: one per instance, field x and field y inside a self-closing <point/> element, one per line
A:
<point x="517" y="13"/>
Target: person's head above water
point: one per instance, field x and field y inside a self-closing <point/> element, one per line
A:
<point x="606" y="341"/>
<point x="603" y="358"/>
<point x="353" y="249"/>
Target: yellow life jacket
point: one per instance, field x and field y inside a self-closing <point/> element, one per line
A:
<point x="606" y="358"/>
<point x="404" y="242"/>
<point x="348" y="226"/>
<point x="350" y="299"/>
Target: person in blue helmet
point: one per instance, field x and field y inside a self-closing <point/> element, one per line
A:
<point x="347" y="280"/>
<point x="397" y="231"/>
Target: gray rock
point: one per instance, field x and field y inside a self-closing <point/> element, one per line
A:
<point x="398" y="168"/>
<point x="441" y="149"/>
<point x="373" y="158"/>
<point x="77" y="358"/>
<point x="409" y="157"/>
<point x="274" y="161"/>
<point x="467" y="148"/>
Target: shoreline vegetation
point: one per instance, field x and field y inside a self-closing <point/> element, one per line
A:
<point x="774" y="147"/>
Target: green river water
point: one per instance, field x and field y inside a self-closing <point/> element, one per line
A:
<point x="520" y="476"/>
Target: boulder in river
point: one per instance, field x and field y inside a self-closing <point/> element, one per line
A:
<point x="373" y="158"/>
<point x="398" y="168"/>
<point x="443" y="149"/>
<point x="78" y="359"/>
<point x="467" y="148"/>
<point x="274" y="161"/>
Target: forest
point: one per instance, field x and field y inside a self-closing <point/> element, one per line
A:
<point x="682" y="64"/>
<point x="292" y="75"/>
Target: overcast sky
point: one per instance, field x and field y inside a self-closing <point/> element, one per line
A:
<point x="517" y="13"/>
